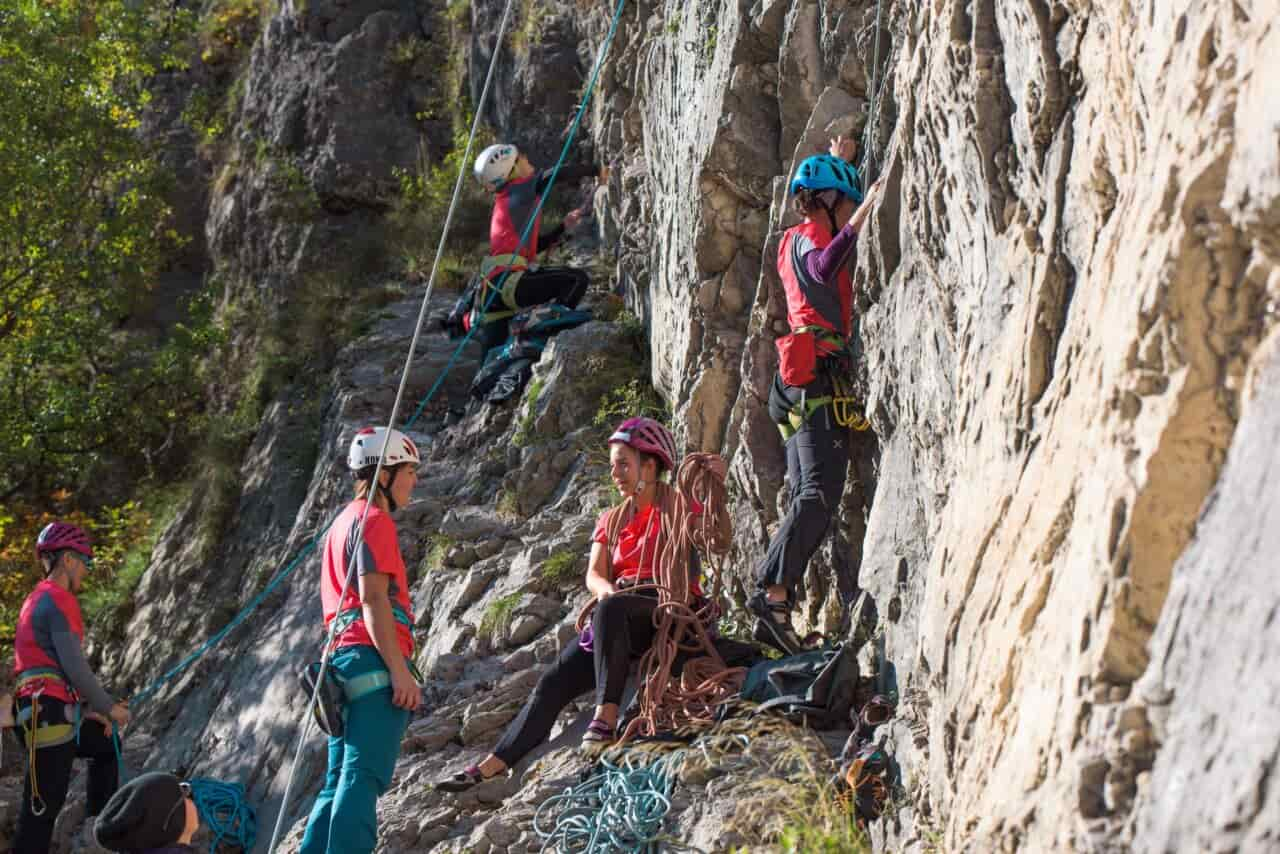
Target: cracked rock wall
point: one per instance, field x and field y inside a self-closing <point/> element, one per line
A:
<point x="1068" y="307"/>
<point x="1059" y="299"/>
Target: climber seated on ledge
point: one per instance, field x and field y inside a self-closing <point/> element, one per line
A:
<point x="518" y="188"/>
<point x="627" y="543"/>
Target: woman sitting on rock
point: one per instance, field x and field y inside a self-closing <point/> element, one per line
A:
<point x="625" y="547"/>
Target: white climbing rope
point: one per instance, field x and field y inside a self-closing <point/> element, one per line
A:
<point x="395" y="411"/>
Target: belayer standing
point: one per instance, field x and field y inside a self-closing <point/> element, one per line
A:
<point x="373" y="645"/>
<point x="62" y="710"/>
<point x="809" y="398"/>
<point x="518" y="187"/>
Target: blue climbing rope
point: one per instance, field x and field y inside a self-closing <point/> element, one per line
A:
<point x="528" y="228"/>
<point x="620" y="808"/>
<point x="225" y="812"/>
<point x="149" y="691"/>
<point x="222" y="806"/>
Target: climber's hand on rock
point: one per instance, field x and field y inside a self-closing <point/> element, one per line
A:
<point x="572" y="219"/>
<point x="120" y="714"/>
<point x="846" y="148"/>
<point x="603" y="177"/>
<point x="405" y="693"/>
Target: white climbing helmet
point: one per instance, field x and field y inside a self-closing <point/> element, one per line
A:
<point x="494" y="165"/>
<point x="367" y="445"/>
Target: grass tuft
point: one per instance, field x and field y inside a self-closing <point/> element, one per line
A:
<point x="497" y="616"/>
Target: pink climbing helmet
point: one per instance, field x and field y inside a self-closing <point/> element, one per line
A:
<point x="57" y="536"/>
<point x="648" y="437"/>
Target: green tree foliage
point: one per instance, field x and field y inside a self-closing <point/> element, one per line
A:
<point x="84" y="228"/>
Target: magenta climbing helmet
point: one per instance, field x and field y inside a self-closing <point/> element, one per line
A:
<point x="57" y="536"/>
<point x="648" y="437"/>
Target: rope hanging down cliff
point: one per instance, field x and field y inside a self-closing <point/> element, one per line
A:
<point x="413" y="345"/>
<point x="391" y="421"/>
<point x="873" y="106"/>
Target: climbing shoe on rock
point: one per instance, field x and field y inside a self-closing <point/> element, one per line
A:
<point x="467" y="778"/>
<point x="773" y="624"/>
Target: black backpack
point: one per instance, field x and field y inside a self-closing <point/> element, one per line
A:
<point x="815" y="687"/>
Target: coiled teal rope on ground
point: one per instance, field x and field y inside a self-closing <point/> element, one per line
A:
<point x="222" y="806"/>
<point x="224" y="811"/>
<point x="620" y="808"/>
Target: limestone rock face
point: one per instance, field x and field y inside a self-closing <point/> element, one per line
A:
<point x="1067" y="311"/>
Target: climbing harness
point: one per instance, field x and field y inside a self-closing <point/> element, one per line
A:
<point x="845" y="410"/>
<point x="333" y="692"/>
<point x="514" y="266"/>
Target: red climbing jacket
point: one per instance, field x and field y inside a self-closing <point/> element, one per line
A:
<point x="379" y="552"/>
<point x="48" y="609"/>
<point x="811" y="303"/>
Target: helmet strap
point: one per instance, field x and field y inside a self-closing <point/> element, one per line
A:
<point x="831" y="215"/>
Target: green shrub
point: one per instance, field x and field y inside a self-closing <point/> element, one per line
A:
<point x="559" y="569"/>
<point x="437" y="549"/>
<point x="497" y="616"/>
<point x="636" y="397"/>
<point x="524" y="427"/>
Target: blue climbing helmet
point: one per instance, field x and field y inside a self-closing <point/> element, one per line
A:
<point x="825" y="172"/>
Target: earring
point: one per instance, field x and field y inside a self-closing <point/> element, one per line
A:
<point x="640" y="484"/>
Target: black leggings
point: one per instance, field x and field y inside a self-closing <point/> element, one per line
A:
<point x="565" y="285"/>
<point x="622" y="628"/>
<point x="817" y="464"/>
<point x="53" y="777"/>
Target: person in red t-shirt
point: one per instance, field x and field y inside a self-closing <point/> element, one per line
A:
<point x="56" y="692"/>
<point x="373" y="635"/>
<point x="641" y="452"/>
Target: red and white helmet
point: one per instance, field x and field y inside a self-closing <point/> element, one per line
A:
<point x="368" y="444"/>
<point x="494" y="165"/>
<point x="57" y="536"/>
<point x="648" y="437"/>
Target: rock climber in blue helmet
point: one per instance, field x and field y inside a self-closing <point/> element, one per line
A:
<point x="814" y="261"/>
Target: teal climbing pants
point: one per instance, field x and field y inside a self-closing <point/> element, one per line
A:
<point x="344" y="819"/>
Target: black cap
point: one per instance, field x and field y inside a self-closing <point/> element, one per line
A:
<point x="147" y="812"/>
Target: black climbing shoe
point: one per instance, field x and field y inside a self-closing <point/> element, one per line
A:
<point x="467" y="778"/>
<point x="773" y="624"/>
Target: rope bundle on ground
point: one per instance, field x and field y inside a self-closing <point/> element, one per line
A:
<point x="667" y="703"/>
<point x="620" y="808"/>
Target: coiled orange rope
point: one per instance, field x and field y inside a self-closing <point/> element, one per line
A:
<point x="666" y="702"/>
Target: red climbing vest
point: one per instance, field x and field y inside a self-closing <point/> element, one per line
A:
<point x="811" y="304"/>
<point x="512" y="207"/>
<point x="35" y="668"/>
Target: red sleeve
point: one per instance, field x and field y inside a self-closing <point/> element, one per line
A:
<point x="380" y="538"/>
<point x="601" y="533"/>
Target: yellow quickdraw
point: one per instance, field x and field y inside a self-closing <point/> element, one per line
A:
<point x="845" y="408"/>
